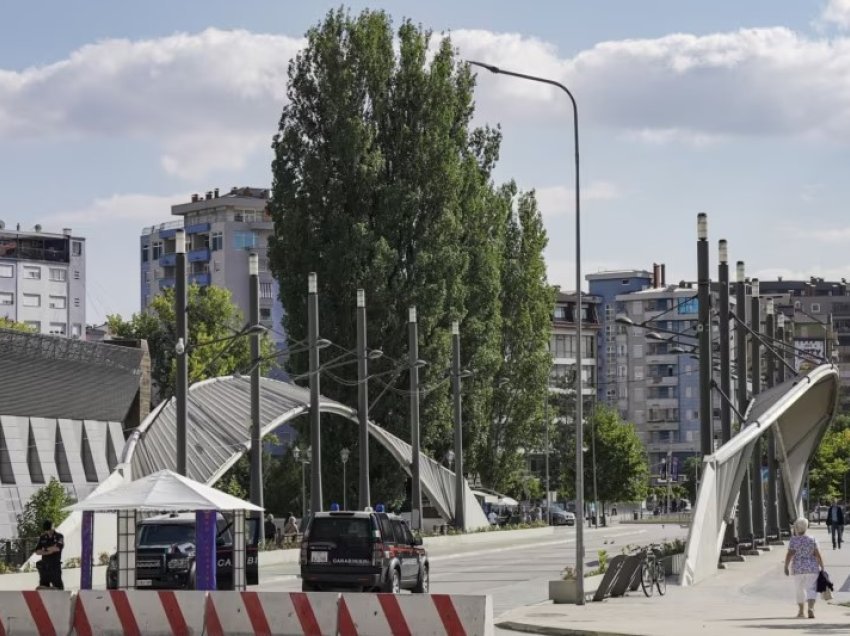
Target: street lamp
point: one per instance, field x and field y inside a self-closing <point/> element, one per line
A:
<point x="303" y="457"/>
<point x="343" y="455"/>
<point x="579" y="388"/>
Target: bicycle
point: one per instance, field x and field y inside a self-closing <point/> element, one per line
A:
<point x="652" y="573"/>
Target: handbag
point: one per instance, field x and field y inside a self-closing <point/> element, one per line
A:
<point x="827" y="594"/>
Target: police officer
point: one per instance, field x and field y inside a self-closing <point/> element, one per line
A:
<point x="49" y="547"/>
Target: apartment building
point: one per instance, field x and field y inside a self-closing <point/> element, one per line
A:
<point x="221" y="231"/>
<point x="43" y="280"/>
<point x="564" y="339"/>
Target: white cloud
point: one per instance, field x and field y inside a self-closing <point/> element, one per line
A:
<point x="556" y="201"/>
<point x="837" y="12"/>
<point x="208" y="99"/>
<point x="117" y="208"/>
<point x="830" y="235"/>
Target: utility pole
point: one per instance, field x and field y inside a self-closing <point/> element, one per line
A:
<point x="256" y="432"/>
<point x="181" y="389"/>
<point x="745" y="507"/>
<point x="363" y="401"/>
<point x="755" y="466"/>
<point x="413" y="351"/>
<point x="725" y="363"/>
<point x="770" y="364"/>
<point x="782" y="502"/>
<point x="704" y="329"/>
<point x="460" y="491"/>
<point x="315" y="419"/>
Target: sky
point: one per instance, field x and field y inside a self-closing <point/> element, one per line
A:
<point x="111" y="112"/>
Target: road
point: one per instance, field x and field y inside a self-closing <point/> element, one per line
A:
<point x="514" y="575"/>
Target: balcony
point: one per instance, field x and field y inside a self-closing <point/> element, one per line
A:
<point x="662" y="403"/>
<point x="197" y="228"/>
<point x="200" y="279"/>
<point x="168" y="260"/>
<point x="165" y="283"/>
<point x="661" y="358"/>
<point x="662" y="380"/>
<point x="199" y="256"/>
<point x="661" y="426"/>
<point x="676" y="447"/>
<point x="168" y="233"/>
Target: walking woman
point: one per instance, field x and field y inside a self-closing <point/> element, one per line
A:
<point x="806" y="562"/>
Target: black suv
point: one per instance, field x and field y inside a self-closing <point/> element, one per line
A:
<point x="165" y="553"/>
<point x="367" y="551"/>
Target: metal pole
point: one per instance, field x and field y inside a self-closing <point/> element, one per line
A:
<point x="363" y="400"/>
<point x="256" y="433"/>
<point x="315" y="420"/>
<point x="784" y="519"/>
<point x="596" y="511"/>
<point x="303" y="493"/>
<point x="704" y="327"/>
<point x="755" y="466"/>
<point x="546" y="455"/>
<point x="413" y="352"/>
<point x="725" y="363"/>
<point x="181" y="388"/>
<point x="460" y="494"/>
<point x="344" y="487"/>
<point x="745" y="506"/>
<point x="772" y="520"/>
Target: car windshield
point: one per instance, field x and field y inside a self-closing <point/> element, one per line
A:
<point x="165" y="533"/>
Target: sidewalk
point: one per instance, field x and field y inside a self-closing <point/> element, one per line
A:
<point x="753" y="597"/>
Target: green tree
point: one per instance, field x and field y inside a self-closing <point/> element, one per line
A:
<point x="381" y="182"/>
<point x="692" y="468"/>
<point x="830" y="466"/>
<point x="211" y="315"/>
<point x="5" y="323"/>
<point x="46" y="503"/>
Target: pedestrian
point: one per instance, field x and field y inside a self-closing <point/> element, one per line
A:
<point x="270" y="529"/>
<point x="835" y="523"/>
<point x="492" y="517"/>
<point x="806" y="562"/>
<point x="49" y="548"/>
<point x="290" y="529"/>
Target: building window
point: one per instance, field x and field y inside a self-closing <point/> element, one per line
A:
<point x="76" y="274"/>
<point x="266" y="291"/>
<point x="560" y="312"/>
<point x="7" y="271"/>
<point x="58" y="302"/>
<point x="76" y="248"/>
<point x="76" y="330"/>
<point x="217" y="241"/>
<point x="31" y="300"/>
<point x="7" y="298"/>
<point x="57" y="328"/>
<point x="244" y="240"/>
<point x="265" y="313"/>
<point x="156" y="250"/>
<point x="34" y="325"/>
<point x="144" y="253"/>
<point x="815" y="308"/>
<point x="76" y="302"/>
<point x="58" y="275"/>
<point x="33" y="273"/>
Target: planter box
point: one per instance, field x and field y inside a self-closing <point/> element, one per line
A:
<point x="564" y="591"/>
<point x="673" y="564"/>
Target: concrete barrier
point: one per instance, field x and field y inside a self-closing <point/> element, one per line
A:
<point x="139" y="613"/>
<point x="420" y="614"/>
<point x="271" y="613"/>
<point x="40" y="613"/>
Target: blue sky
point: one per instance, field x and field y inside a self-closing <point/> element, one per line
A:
<point x="110" y="112"/>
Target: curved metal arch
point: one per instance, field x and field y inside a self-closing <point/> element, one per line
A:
<point x="799" y="411"/>
<point x="219" y="434"/>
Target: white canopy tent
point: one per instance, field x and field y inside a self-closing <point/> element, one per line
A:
<point x="163" y="491"/>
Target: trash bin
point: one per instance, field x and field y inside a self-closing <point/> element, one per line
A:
<point x="635" y="513"/>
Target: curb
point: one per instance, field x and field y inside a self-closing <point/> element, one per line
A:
<point x="530" y="628"/>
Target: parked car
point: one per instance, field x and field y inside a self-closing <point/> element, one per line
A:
<point x="561" y="517"/>
<point x="165" y="554"/>
<point x="818" y="514"/>
<point x="366" y="551"/>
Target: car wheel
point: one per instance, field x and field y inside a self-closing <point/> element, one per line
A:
<point x="393" y="584"/>
<point x="423" y="585"/>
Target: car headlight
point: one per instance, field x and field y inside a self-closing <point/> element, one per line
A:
<point x="178" y="564"/>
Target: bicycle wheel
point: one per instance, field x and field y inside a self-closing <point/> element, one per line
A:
<point x="660" y="579"/>
<point x="646" y="578"/>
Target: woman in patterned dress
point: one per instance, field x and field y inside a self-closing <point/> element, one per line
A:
<point x="806" y="562"/>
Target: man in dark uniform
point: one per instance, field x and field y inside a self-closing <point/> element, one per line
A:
<point x="49" y="547"/>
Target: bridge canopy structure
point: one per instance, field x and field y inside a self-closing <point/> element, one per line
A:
<point x="218" y="434"/>
<point x="799" y="411"/>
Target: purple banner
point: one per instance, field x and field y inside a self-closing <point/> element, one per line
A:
<point x="86" y="555"/>
<point x="205" y="561"/>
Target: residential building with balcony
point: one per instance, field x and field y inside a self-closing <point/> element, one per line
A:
<point x="43" y="280"/>
<point x="563" y="341"/>
<point x="221" y="231"/>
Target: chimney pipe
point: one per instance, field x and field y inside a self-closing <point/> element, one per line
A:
<point x="656" y="276"/>
<point x="663" y="275"/>
<point x="215" y="193"/>
<point x="66" y="231"/>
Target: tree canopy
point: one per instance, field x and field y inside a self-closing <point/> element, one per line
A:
<point x="46" y="503"/>
<point x="381" y="182"/>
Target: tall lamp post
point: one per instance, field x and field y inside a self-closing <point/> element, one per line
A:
<point x="256" y="431"/>
<point x="181" y="388"/>
<point x="304" y="458"/>
<point x="343" y="455"/>
<point x="579" y="392"/>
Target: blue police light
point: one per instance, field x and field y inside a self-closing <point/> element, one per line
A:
<point x="379" y="507"/>
<point x="334" y="507"/>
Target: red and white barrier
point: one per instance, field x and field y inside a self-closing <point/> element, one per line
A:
<point x="139" y="613"/>
<point x="271" y="613"/>
<point x="38" y="613"/>
<point x="420" y="614"/>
